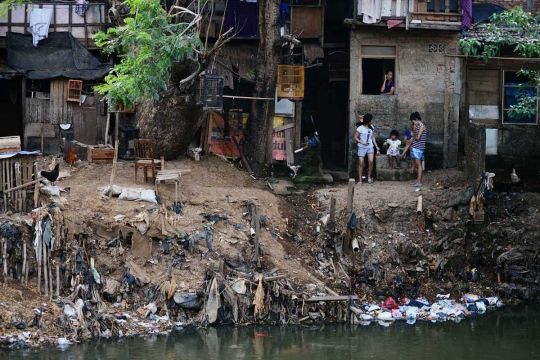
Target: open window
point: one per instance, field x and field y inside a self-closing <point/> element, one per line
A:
<point x="376" y="62"/>
<point x="516" y="85"/>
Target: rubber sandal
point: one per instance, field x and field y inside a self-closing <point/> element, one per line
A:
<point x="370" y="181"/>
<point x="416" y="185"/>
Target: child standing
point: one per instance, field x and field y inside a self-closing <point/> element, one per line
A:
<point x="393" y="149"/>
<point x="408" y="139"/>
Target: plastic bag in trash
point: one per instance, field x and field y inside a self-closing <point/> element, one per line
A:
<point x="187" y="300"/>
<point x="481" y="307"/>
<point x="390" y="304"/>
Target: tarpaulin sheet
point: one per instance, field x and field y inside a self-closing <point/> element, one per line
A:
<point x="58" y="55"/>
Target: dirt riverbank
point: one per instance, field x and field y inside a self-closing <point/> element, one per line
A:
<point x="128" y="268"/>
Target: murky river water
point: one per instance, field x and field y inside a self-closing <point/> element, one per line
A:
<point x="509" y="333"/>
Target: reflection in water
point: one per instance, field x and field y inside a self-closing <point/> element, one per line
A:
<point x="510" y="333"/>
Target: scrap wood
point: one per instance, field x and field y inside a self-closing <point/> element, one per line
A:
<point x="138" y="272"/>
<point x="331" y="298"/>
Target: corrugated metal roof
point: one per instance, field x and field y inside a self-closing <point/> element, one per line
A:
<point x="313" y="52"/>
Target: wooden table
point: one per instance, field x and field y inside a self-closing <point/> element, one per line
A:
<point x="171" y="175"/>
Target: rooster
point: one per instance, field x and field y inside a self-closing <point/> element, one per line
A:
<point x="52" y="176"/>
<point x="514" y="177"/>
<point x="71" y="157"/>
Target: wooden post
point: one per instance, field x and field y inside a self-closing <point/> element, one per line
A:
<point x="57" y="280"/>
<point x="42" y="146"/>
<point x="23" y="270"/>
<point x="36" y="187"/>
<point x="116" y="125"/>
<point x="4" y="257"/>
<point x="45" y="271"/>
<point x="49" y="265"/>
<point x="113" y="172"/>
<point x="350" y="198"/>
<point x="257" y="230"/>
<point x="332" y="211"/>
<point x="39" y="263"/>
<point x="107" y="124"/>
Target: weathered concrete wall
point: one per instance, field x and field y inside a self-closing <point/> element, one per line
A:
<point x="475" y="147"/>
<point x="427" y="82"/>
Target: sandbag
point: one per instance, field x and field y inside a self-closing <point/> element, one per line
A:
<point x="129" y="195"/>
<point x="149" y="196"/>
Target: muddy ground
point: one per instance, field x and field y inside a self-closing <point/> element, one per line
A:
<point x="400" y="254"/>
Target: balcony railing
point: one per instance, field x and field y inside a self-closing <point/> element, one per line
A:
<point x="82" y="22"/>
<point x="417" y="13"/>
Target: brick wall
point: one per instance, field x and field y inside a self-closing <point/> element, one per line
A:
<point x="475" y="150"/>
<point x="508" y="4"/>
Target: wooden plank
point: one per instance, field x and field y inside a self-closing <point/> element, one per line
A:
<point x="10" y="143"/>
<point x="307" y="21"/>
<point x="331" y="298"/>
<point x="284" y="127"/>
<point x="289" y="146"/>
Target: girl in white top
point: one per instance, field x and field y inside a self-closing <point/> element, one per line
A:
<point x="393" y="149"/>
<point x="365" y="138"/>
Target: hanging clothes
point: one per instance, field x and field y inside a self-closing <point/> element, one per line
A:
<point x="466" y="20"/>
<point x="40" y="20"/>
<point x="283" y="13"/>
<point x="371" y="9"/>
<point x="81" y="8"/>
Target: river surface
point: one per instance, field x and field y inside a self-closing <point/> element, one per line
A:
<point x="508" y="333"/>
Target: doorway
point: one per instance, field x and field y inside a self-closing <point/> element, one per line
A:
<point x="11" y="105"/>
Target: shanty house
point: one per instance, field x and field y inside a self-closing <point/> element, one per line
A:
<point x="49" y="63"/>
<point x="490" y="88"/>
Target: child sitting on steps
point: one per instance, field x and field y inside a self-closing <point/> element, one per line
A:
<point x="393" y="149"/>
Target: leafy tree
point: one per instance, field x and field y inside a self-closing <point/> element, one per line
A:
<point x="517" y="29"/>
<point x="147" y="44"/>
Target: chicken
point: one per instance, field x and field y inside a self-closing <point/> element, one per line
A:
<point x="295" y="169"/>
<point x="71" y="157"/>
<point x="514" y="177"/>
<point x="52" y="175"/>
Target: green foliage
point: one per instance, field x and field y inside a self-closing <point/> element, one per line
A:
<point x="10" y="4"/>
<point x="515" y="28"/>
<point x="148" y="43"/>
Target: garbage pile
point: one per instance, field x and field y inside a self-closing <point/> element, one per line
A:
<point x="411" y="310"/>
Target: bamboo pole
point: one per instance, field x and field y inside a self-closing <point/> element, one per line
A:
<point x="419" y="205"/>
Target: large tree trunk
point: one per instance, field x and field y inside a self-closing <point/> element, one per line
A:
<point x="172" y="121"/>
<point x="258" y="147"/>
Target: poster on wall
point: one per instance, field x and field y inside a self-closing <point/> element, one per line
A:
<point x="279" y="152"/>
